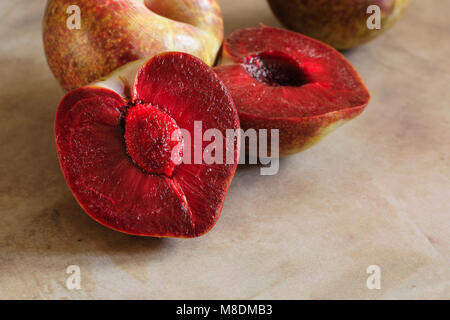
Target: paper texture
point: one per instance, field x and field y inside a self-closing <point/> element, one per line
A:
<point x="374" y="192"/>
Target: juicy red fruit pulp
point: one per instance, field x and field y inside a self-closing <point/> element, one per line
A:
<point x="276" y="73"/>
<point x="285" y="81"/>
<point x="122" y="159"/>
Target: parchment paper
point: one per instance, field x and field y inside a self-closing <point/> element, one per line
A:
<point x="375" y="192"/>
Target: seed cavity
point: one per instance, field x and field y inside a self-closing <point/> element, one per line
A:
<point x="276" y="69"/>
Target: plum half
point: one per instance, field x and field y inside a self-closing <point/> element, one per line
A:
<point x="123" y="157"/>
<point x="284" y="80"/>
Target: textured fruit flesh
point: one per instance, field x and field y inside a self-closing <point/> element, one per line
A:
<point x="153" y="139"/>
<point x="313" y="79"/>
<point x="285" y="81"/>
<point x="121" y="158"/>
<point x="189" y="93"/>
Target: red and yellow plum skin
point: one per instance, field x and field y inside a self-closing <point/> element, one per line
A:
<point x="115" y="32"/>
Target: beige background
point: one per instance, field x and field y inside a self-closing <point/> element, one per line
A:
<point x="374" y="192"/>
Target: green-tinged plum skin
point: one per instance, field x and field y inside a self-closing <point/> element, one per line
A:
<point x="340" y="23"/>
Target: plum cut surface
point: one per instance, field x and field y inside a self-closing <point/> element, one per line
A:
<point x="276" y="73"/>
<point x="122" y="159"/>
<point x="285" y="81"/>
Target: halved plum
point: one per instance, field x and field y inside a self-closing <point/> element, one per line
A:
<point x="123" y="159"/>
<point x="284" y="80"/>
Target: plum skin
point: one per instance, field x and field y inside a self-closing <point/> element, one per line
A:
<point x="340" y="23"/>
<point x="114" y="33"/>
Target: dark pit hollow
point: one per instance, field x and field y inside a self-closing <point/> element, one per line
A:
<point x="276" y="69"/>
